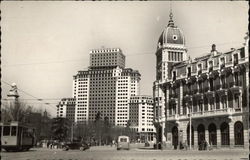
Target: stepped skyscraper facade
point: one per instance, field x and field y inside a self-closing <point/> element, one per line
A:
<point x="105" y="88"/>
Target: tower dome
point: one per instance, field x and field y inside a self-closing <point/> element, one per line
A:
<point x="171" y="35"/>
<point x="171" y="49"/>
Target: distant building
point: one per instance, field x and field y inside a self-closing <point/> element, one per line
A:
<point x="212" y="89"/>
<point x="141" y="116"/>
<point x="46" y="121"/>
<point x="105" y="87"/>
<point x="66" y="108"/>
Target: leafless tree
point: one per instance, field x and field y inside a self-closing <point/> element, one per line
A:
<point x="16" y="111"/>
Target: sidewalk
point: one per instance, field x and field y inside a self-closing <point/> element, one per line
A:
<point x="195" y="150"/>
<point x="108" y="147"/>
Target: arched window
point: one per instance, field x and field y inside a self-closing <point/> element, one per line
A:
<point x="224" y="129"/>
<point x="175" y="137"/>
<point x="201" y="134"/>
<point x="212" y="134"/>
<point x="238" y="133"/>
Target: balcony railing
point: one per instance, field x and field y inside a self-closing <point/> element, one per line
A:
<point x="229" y="64"/>
<point x="242" y="60"/>
<point x="186" y="93"/>
<point x="211" y="89"/>
<point x="200" y="90"/>
<point x="222" y="66"/>
<point x="202" y="114"/>
<point x="224" y="86"/>
<point x="199" y="72"/>
<point x="194" y="91"/>
<point x="173" y="117"/>
<point x="217" y="87"/>
<point x="206" y="89"/>
<point x="236" y="62"/>
<point x="210" y="69"/>
<point x="236" y="83"/>
<point x="173" y="95"/>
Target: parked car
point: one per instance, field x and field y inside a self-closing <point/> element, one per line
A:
<point x="82" y="146"/>
<point x="123" y="142"/>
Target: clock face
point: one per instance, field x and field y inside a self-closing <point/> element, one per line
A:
<point x="175" y="37"/>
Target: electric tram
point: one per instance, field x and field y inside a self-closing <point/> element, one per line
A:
<point x="16" y="136"/>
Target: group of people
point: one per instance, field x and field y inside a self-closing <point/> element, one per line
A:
<point x="52" y="145"/>
<point x="203" y="145"/>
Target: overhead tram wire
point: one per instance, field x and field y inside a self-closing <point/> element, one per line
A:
<point x="38" y="63"/>
<point x="38" y="99"/>
<point x="5" y="100"/>
<point x="128" y="55"/>
<point x="196" y="47"/>
<point x="48" y="99"/>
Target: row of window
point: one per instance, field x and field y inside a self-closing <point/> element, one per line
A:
<point x="122" y="117"/>
<point x="82" y="95"/>
<point x="100" y="105"/>
<point x="122" y="104"/>
<point x="80" y="82"/>
<point x="119" y="90"/>
<point x="175" y="56"/>
<point x="79" y="108"/>
<point x="122" y="114"/>
<point x="103" y="63"/>
<point x="122" y="97"/>
<point x="210" y="63"/>
<point x="81" y="79"/>
<point x="80" y="102"/>
<point x="124" y="81"/>
<point x="81" y="111"/>
<point x="106" y="109"/>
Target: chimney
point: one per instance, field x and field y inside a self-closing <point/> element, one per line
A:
<point x="214" y="51"/>
<point x="213" y="48"/>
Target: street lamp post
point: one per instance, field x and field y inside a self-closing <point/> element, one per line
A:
<point x="190" y="128"/>
<point x="72" y="131"/>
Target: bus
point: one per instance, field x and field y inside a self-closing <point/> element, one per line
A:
<point x="16" y="136"/>
<point x="123" y="142"/>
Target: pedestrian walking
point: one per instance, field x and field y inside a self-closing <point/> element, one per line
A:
<point x="185" y="145"/>
<point x="205" y="145"/>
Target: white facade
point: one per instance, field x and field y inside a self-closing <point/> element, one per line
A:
<point x="81" y="94"/>
<point x="127" y="85"/>
<point x="122" y="98"/>
<point x="66" y="108"/>
<point x="141" y="116"/>
<point x="105" y="87"/>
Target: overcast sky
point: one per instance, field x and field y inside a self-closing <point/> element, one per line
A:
<point x="45" y="43"/>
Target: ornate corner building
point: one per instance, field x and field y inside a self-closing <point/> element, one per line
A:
<point x="211" y="92"/>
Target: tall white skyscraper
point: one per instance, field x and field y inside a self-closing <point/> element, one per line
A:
<point x="105" y="87"/>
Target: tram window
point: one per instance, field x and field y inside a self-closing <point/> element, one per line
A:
<point x="1" y="130"/>
<point x="13" y="131"/>
<point x="6" y="130"/>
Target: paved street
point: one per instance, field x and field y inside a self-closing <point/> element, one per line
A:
<point x="110" y="153"/>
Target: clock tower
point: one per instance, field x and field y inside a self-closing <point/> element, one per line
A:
<point x="170" y="50"/>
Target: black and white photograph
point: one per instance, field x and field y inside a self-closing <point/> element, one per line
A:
<point x="124" y="80"/>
